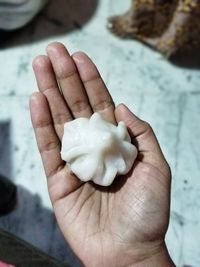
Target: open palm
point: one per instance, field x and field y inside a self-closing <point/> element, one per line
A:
<point x="114" y="226"/>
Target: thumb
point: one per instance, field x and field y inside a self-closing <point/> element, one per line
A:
<point x="136" y="126"/>
<point x="142" y="132"/>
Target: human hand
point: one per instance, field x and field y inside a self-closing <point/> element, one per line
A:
<point x="121" y="225"/>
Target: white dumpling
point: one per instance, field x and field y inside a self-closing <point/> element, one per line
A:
<point x="97" y="150"/>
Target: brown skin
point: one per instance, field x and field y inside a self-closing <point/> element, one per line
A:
<point x="121" y="225"/>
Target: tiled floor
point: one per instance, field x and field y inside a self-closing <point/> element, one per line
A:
<point x="165" y="95"/>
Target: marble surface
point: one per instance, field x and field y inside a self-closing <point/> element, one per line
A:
<point x="166" y="95"/>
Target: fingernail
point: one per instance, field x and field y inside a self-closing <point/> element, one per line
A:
<point x="33" y="97"/>
<point x="79" y="58"/>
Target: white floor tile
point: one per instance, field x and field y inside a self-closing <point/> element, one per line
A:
<point x="161" y="93"/>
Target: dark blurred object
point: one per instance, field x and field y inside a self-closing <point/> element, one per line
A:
<point x="19" y="253"/>
<point x="5" y="148"/>
<point x="187" y="58"/>
<point x="4" y="35"/>
<point x="58" y="17"/>
<point x="8" y="195"/>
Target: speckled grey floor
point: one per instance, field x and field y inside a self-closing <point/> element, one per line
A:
<point x="160" y="92"/>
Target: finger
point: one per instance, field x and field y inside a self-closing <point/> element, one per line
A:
<point x="47" y="140"/>
<point x="47" y="84"/>
<point x="148" y="146"/>
<point x="69" y="80"/>
<point x="61" y="181"/>
<point x="98" y="95"/>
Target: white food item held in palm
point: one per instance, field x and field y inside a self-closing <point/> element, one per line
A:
<point x="97" y="150"/>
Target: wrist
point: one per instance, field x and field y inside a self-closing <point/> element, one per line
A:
<point x="160" y="259"/>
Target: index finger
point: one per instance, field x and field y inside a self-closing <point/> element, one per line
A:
<point x="47" y="139"/>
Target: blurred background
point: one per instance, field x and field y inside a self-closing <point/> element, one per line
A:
<point x="167" y="94"/>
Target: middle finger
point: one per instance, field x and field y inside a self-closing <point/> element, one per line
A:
<point x="69" y="81"/>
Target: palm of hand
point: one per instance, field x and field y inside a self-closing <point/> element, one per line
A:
<point x="103" y="223"/>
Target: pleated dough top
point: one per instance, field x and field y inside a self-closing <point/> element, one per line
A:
<point x="97" y="150"/>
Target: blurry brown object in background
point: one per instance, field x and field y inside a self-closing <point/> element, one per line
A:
<point x="166" y="25"/>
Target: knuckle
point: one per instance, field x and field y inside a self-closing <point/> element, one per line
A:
<point x="102" y="105"/>
<point x="79" y="106"/>
<point x="147" y="126"/>
<point x="40" y="61"/>
<point x="65" y="71"/>
<point x="48" y="146"/>
<point x="41" y="124"/>
<point x="60" y="118"/>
